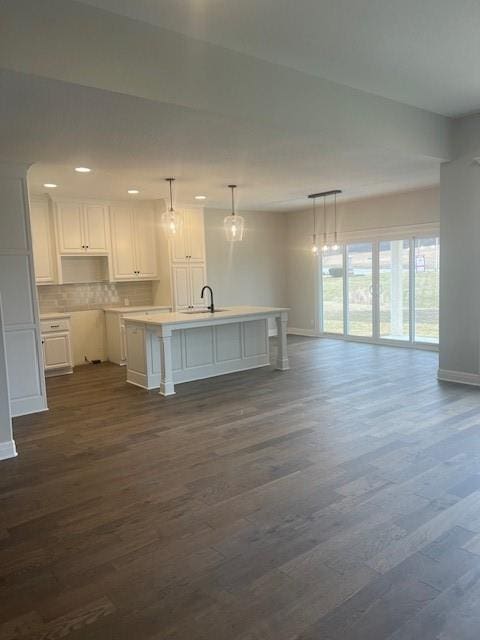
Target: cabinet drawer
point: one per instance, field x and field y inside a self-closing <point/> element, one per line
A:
<point x="49" y="326"/>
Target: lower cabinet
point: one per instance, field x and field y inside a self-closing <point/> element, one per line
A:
<point x="115" y="326"/>
<point x="56" y="343"/>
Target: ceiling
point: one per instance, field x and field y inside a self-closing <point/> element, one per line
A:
<point x="80" y="85"/>
<point x="135" y="143"/>
<point x="422" y="53"/>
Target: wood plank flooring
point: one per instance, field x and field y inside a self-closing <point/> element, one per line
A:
<point x="337" y="501"/>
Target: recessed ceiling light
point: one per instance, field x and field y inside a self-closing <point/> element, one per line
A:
<point x="82" y="169"/>
<point x="133" y="191"/>
<point x="200" y="197"/>
<point x="50" y="185"/>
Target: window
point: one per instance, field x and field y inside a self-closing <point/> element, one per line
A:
<point x="394" y="289"/>
<point x="427" y="285"/>
<point x="382" y="291"/>
<point x="360" y="290"/>
<point x="332" y="287"/>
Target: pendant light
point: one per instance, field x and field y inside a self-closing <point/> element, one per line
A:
<point x="171" y="221"/>
<point x="234" y="225"/>
<point x="324" y="195"/>
<point x="314" y="235"/>
<point x="335" y="242"/>
<point x="325" y="241"/>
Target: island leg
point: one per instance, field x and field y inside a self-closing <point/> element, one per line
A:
<point x="166" y="376"/>
<point x="282" y="355"/>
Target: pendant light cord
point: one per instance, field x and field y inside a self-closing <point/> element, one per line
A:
<point x="325" y="219"/>
<point x="170" y="180"/>
<point x="335" y="209"/>
<point x="232" y="187"/>
<point x="314" y="213"/>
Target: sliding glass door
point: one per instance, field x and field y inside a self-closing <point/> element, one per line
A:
<point x="360" y="290"/>
<point x="332" y="289"/>
<point x="427" y="285"/>
<point x="383" y="291"/>
<point x="394" y="290"/>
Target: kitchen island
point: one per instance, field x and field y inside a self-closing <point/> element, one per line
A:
<point x="170" y="348"/>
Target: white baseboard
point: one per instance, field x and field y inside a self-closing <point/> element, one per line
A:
<point x="310" y="333"/>
<point x="461" y="377"/>
<point x="7" y="450"/>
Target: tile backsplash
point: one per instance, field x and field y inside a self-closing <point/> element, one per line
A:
<point x="80" y="297"/>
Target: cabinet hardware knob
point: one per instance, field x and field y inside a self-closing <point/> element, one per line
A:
<point x="54" y="326"/>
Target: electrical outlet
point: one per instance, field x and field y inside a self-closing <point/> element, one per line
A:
<point x="126" y="302"/>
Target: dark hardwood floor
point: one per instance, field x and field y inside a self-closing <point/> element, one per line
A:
<point x="337" y="501"/>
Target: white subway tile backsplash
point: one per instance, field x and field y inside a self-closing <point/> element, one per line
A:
<point x="80" y="297"/>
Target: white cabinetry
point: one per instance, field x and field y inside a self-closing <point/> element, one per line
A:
<point x="115" y="325"/>
<point x="189" y="244"/>
<point x="133" y="243"/>
<point x="81" y="228"/>
<point x="57" y="348"/>
<point x="42" y="240"/>
<point x="187" y="261"/>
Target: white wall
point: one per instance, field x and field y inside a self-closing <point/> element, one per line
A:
<point x="370" y="218"/>
<point x="459" y="271"/>
<point x="252" y="271"/>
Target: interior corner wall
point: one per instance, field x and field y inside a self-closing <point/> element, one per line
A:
<point x="389" y="216"/>
<point x="251" y="272"/>
<point x="459" y="271"/>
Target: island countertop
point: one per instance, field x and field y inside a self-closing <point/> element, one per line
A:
<point x="189" y="317"/>
<point x="169" y="348"/>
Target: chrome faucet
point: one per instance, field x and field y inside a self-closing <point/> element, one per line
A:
<point x="212" y="306"/>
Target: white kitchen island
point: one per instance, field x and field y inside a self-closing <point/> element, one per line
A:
<point x="170" y="348"/>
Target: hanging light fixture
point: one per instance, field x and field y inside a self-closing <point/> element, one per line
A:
<point x="314" y="235"/>
<point x="325" y="241"/>
<point x="335" y="241"/>
<point x="234" y="225"/>
<point x="324" y="195"/>
<point x="171" y="221"/>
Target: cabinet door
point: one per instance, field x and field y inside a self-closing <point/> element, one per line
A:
<point x="70" y="228"/>
<point x="56" y="349"/>
<point x="42" y="242"/>
<point x="195" y="235"/>
<point x="145" y="243"/>
<point x="95" y="224"/>
<point x="123" y="248"/>
<point x="181" y="286"/>
<point x="178" y="244"/>
<point x="197" y="280"/>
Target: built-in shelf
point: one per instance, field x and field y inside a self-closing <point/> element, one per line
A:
<point x="84" y="269"/>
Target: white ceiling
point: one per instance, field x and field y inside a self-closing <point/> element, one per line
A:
<point x="420" y="52"/>
<point x="135" y="143"/>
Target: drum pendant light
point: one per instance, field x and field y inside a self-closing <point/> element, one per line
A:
<point x="233" y="225"/>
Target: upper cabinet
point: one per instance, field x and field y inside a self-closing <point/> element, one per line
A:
<point x="189" y="243"/>
<point x="82" y="228"/>
<point x="134" y="242"/>
<point x="42" y="240"/>
<point x="187" y="260"/>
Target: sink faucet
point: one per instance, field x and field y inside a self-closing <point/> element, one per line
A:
<point x="212" y="306"/>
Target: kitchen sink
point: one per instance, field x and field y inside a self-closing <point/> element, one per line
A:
<point x="194" y="311"/>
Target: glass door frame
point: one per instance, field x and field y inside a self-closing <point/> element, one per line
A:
<point x="376" y="338"/>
